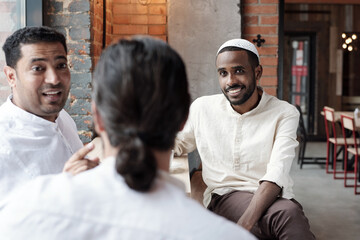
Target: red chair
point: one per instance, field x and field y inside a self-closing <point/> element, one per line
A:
<point x="331" y="138"/>
<point x="348" y="123"/>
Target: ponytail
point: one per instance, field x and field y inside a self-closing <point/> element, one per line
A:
<point x="136" y="163"/>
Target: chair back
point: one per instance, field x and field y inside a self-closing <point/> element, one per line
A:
<point x="329" y="117"/>
<point x="329" y="113"/>
<point x="347" y="122"/>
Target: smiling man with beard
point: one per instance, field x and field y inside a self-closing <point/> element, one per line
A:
<point x="37" y="135"/>
<point x="246" y="140"/>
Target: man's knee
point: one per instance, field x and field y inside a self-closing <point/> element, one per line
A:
<point x="292" y="209"/>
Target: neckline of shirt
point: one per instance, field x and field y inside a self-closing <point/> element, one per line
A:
<point x="24" y="115"/>
<point x="264" y="97"/>
<point x="161" y="175"/>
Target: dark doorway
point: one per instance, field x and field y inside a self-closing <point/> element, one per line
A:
<point x="299" y="74"/>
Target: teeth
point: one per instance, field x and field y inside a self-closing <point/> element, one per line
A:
<point x="234" y="91"/>
<point x="51" y="93"/>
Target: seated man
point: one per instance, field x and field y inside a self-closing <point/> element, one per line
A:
<point x="140" y="102"/>
<point x="37" y="135"/>
<point x="246" y="140"/>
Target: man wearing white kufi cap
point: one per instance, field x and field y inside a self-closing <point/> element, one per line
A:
<point x="246" y="148"/>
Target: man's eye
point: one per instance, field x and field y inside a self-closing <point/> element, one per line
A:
<point x="37" y="68"/>
<point x="239" y="71"/>
<point x="222" y="73"/>
<point x="62" y="66"/>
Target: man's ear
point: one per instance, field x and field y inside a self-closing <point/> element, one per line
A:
<point x="258" y="73"/>
<point x="10" y="74"/>
<point x="98" y="122"/>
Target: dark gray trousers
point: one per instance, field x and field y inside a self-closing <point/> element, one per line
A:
<point x="284" y="219"/>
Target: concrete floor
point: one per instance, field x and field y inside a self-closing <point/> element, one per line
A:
<point x="332" y="209"/>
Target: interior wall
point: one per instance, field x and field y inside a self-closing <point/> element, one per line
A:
<point x="196" y="29"/>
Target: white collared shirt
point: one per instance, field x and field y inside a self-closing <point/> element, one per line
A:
<point x="97" y="204"/>
<point x="240" y="150"/>
<point x="31" y="146"/>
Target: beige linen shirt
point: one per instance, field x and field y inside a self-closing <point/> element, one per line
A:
<point x="240" y="150"/>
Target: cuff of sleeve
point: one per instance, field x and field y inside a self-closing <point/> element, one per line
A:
<point x="274" y="177"/>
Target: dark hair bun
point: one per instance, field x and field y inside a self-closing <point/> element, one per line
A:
<point x="136" y="164"/>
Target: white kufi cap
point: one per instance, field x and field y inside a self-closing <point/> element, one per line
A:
<point x="240" y="43"/>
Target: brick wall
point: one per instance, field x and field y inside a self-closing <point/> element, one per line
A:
<point x="97" y="20"/>
<point x="131" y="18"/>
<point x="262" y="17"/>
<point x="9" y="21"/>
<point x="72" y="17"/>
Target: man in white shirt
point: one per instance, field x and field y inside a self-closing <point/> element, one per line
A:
<point x="138" y="85"/>
<point x="246" y="140"/>
<point x="37" y="135"/>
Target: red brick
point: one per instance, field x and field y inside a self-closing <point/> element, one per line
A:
<point x="269" y="71"/>
<point x="162" y="37"/>
<point x="158" y="1"/>
<point x="158" y="9"/>
<point x="150" y="1"/>
<point x="271" y="90"/>
<point x="269" y="1"/>
<point x="268" y="81"/>
<point x="268" y="40"/>
<point x="262" y="30"/>
<point x="269" y="61"/>
<point x="157" y="19"/>
<point x="251" y="20"/>
<point x="130" y="29"/>
<point x="260" y="9"/>
<point x="129" y="9"/>
<point x="121" y="1"/>
<point x="139" y="19"/>
<point x="268" y="50"/>
<point x="98" y="23"/>
<point x="157" y="30"/>
<point x="269" y="19"/>
<point x="122" y="19"/>
<point x="98" y="10"/>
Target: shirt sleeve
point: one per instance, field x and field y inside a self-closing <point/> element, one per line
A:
<point x="283" y="151"/>
<point x="185" y="139"/>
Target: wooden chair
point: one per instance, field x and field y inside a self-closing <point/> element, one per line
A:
<point x="351" y="147"/>
<point x="332" y="141"/>
<point x="303" y="139"/>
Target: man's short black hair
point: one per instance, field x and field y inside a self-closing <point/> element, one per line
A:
<point x="29" y="35"/>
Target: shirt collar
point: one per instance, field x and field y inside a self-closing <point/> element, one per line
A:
<point x="161" y="175"/>
<point x="263" y="100"/>
<point x="24" y="115"/>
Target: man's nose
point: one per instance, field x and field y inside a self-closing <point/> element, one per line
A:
<point x="52" y="76"/>
<point x="231" y="80"/>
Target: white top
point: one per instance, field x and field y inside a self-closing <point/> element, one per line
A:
<point x="239" y="150"/>
<point x="97" y="204"/>
<point x="31" y="146"/>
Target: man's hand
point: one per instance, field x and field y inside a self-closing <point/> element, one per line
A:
<point x="266" y="194"/>
<point x="79" y="163"/>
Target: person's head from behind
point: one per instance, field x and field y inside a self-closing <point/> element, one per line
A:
<point x="239" y="70"/>
<point x="37" y="70"/>
<point x="140" y="102"/>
